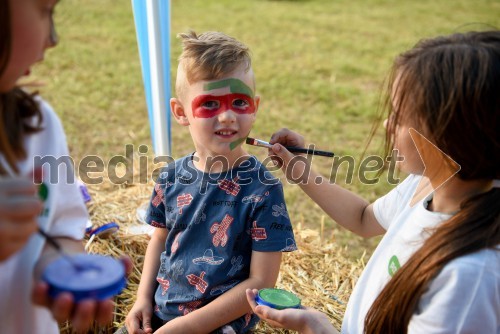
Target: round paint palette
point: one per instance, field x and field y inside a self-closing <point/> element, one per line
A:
<point x="85" y="276"/>
<point x="277" y="298"/>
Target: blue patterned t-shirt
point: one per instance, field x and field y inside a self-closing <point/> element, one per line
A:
<point x="215" y="221"/>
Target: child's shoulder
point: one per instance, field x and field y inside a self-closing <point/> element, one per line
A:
<point x="172" y="168"/>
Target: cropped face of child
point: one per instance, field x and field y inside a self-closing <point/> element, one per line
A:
<point x="32" y="32"/>
<point x="403" y="141"/>
<point x="219" y="112"/>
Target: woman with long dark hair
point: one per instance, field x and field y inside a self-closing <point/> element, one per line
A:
<point x="437" y="268"/>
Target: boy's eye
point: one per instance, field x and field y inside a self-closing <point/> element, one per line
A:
<point x="211" y="105"/>
<point x="240" y="103"/>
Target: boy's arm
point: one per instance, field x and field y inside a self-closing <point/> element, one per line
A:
<point x="156" y="246"/>
<point x="229" y="306"/>
<point x="140" y="314"/>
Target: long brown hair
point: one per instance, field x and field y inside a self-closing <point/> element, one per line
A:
<point x="451" y="87"/>
<point x="17" y="106"/>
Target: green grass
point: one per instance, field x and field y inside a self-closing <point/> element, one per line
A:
<point x="319" y="64"/>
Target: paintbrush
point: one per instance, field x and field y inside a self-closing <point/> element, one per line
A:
<point x="293" y="149"/>
<point x="50" y="240"/>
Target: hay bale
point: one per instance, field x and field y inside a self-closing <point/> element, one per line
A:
<point x="319" y="272"/>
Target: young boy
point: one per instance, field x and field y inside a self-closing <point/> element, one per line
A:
<point x="220" y="217"/>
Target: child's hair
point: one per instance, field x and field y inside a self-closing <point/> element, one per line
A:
<point x="16" y="106"/>
<point x="210" y="56"/>
<point x="449" y="86"/>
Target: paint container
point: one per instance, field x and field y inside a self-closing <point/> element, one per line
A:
<point x="86" y="276"/>
<point x="277" y="298"/>
<point x="84" y="191"/>
<point x="106" y="230"/>
<point x="89" y="227"/>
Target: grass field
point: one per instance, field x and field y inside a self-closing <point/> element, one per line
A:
<point x="320" y="65"/>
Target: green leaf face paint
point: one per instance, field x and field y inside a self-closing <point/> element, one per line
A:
<point x="236" y="143"/>
<point x="235" y="86"/>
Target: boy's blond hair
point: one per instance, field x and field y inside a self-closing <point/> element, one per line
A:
<point x="209" y="56"/>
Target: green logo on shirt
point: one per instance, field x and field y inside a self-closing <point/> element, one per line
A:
<point x="43" y="192"/>
<point x="393" y="265"/>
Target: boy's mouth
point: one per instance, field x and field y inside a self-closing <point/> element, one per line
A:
<point x="226" y="133"/>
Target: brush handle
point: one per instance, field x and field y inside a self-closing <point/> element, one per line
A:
<point x="294" y="149"/>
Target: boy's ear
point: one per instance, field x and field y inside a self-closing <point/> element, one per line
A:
<point x="178" y="111"/>
<point x="256" y="100"/>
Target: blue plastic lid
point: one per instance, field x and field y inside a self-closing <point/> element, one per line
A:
<point x="94" y="277"/>
<point x="105" y="230"/>
<point x="84" y="191"/>
<point x="277" y="298"/>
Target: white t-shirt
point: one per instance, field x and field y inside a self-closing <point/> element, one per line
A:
<point x="64" y="215"/>
<point x="463" y="298"/>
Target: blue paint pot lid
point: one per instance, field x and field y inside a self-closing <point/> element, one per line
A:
<point x="86" y="276"/>
<point x="277" y="298"/>
<point x="105" y="230"/>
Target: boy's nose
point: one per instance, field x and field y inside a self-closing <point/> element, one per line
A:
<point x="227" y="116"/>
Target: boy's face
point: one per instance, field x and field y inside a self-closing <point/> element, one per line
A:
<point x="219" y="112"/>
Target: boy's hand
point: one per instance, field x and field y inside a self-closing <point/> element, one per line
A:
<point x="82" y="314"/>
<point x="304" y="320"/>
<point x="138" y="320"/>
<point x="19" y="208"/>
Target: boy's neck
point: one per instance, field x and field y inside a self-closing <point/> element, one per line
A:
<point x="213" y="163"/>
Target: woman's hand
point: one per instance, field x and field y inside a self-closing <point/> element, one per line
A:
<point x="83" y="314"/>
<point x="303" y="320"/>
<point x="295" y="167"/>
<point x="19" y="209"/>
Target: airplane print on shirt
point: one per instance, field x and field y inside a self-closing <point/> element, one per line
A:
<point x="183" y="200"/>
<point x="230" y="186"/>
<point x="280" y="210"/>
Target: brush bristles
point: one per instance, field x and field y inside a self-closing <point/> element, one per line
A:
<point x="251" y="141"/>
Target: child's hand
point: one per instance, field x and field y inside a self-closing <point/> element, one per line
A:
<point x="19" y="208"/>
<point x="287" y="137"/>
<point x="138" y="320"/>
<point x="291" y="166"/>
<point x="82" y="314"/>
<point x="304" y="320"/>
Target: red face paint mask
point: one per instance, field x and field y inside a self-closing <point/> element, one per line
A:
<point x="207" y="106"/>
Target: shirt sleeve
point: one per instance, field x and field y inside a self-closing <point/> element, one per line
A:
<point x="463" y="298"/>
<point x="155" y="215"/>
<point x="389" y="206"/>
<point x="270" y="226"/>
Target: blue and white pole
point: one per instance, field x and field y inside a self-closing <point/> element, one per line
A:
<point x="152" y="24"/>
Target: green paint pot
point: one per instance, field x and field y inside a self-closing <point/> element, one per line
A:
<point x="277" y="298"/>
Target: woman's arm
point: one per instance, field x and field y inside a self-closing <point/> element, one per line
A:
<point x="346" y="208"/>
